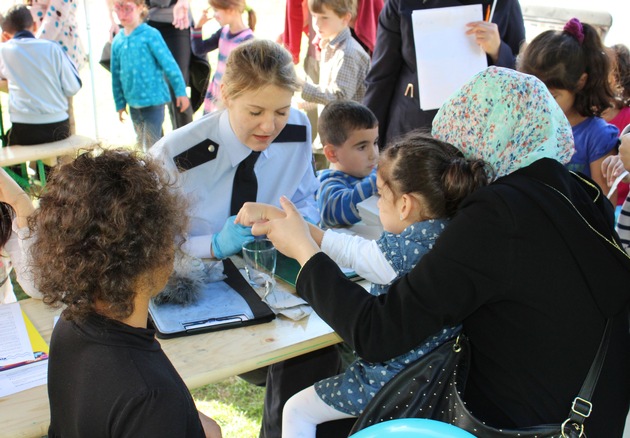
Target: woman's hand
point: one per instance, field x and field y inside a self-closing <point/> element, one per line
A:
<point x="290" y="235"/>
<point x="180" y="15"/>
<point x="254" y="212"/>
<point x="487" y="36"/>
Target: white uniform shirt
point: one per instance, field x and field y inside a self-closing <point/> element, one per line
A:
<point x="282" y="169"/>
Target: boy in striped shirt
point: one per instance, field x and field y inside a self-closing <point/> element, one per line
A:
<point x="349" y="133"/>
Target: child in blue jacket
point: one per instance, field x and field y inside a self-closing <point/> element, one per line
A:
<point x="140" y="60"/>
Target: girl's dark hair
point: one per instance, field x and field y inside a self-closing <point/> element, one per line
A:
<point x="6" y="221"/>
<point x="620" y="57"/>
<point x="419" y="163"/>
<point x="559" y="59"/>
<point x="103" y="222"/>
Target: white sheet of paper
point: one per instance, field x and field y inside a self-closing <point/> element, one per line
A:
<point x="15" y="345"/>
<point x="616" y="183"/>
<point x="446" y="57"/>
<point x="23" y="377"/>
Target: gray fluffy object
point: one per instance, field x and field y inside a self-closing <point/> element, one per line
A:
<point x="189" y="277"/>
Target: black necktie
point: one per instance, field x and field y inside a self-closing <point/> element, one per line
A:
<point x="245" y="186"/>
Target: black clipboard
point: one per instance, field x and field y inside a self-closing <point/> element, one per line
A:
<point x="221" y="305"/>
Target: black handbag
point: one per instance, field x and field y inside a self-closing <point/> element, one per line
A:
<point x="431" y="388"/>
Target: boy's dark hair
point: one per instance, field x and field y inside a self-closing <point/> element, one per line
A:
<point x="559" y="59"/>
<point x="419" y="163"/>
<point x="339" y="7"/>
<point x="17" y="18"/>
<point x="340" y="117"/>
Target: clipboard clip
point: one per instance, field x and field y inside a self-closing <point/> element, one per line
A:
<point x="409" y="90"/>
<point x="203" y="323"/>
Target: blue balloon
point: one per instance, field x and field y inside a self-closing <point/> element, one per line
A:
<point x="412" y="428"/>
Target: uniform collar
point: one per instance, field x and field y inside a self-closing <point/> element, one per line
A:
<point x="23" y="34"/>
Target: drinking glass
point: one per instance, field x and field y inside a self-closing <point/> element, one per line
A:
<point x="260" y="264"/>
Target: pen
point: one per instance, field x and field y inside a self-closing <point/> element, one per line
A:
<point x="487" y="18"/>
<point x="494" y="5"/>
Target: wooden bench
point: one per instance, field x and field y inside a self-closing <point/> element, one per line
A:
<point x="40" y="153"/>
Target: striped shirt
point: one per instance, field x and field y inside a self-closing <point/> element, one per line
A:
<point x="225" y="42"/>
<point x="339" y="194"/>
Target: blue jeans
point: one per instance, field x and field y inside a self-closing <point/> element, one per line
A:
<point x="147" y="122"/>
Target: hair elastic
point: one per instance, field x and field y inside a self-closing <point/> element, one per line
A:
<point x="248" y="8"/>
<point x="575" y="29"/>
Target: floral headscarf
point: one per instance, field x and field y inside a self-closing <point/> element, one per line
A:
<point x="506" y="118"/>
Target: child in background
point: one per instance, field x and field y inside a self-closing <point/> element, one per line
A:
<point x="561" y="59"/>
<point x="40" y="79"/>
<point x="15" y="208"/>
<point x="229" y="14"/>
<point x="349" y="134"/>
<point x="343" y="62"/>
<point x="421" y="182"/>
<point x="139" y="61"/>
<point x="619" y="113"/>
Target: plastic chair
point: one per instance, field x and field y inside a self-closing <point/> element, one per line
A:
<point x="412" y="428"/>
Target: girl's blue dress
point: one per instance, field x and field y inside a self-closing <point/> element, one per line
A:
<point x="351" y="391"/>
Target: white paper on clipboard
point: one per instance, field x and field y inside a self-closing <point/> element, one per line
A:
<point x="446" y="57"/>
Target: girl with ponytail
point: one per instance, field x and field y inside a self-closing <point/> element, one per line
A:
<point x="574" y="66"/>
<point x="421" y="182"/>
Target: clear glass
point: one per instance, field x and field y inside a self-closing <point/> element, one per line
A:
<point x="260" y="258"/>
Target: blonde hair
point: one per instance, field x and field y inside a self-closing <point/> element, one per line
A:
<point x="256" y="64"/>
<point x="240" y="6"/>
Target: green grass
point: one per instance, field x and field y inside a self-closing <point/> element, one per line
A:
<point x="235" y="404"/>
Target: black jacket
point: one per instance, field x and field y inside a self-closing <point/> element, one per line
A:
<point x="531" y="282"/>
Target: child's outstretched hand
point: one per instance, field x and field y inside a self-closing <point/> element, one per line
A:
<point x="204" y="18"/>
<point x="254" y="212"/>
<point x="121" y="114"/>
<point x="290" y="235"/>
<point x="182" y="103"/>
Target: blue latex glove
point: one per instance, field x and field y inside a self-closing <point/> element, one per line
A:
<point x="230" y="239"/>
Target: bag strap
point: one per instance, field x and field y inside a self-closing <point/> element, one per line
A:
<point x="582" y="406"/>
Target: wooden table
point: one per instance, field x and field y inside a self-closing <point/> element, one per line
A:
<point x="200" y="359"/>
<point x="10" y="155"/>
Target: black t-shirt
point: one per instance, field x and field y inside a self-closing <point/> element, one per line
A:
<point x="107" y="379"/>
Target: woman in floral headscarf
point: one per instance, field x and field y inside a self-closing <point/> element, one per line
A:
<point x="530" y="265"/>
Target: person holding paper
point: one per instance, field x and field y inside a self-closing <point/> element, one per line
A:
<point x="106" y="237"/>
<point x="392" y="91"/>
<point x="15" y="208"/>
